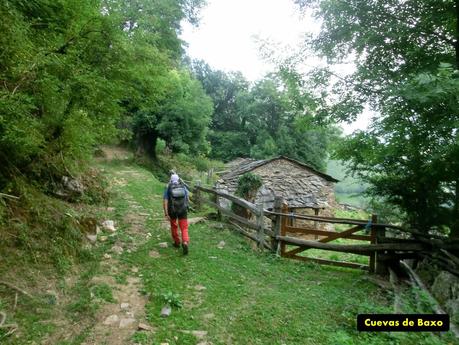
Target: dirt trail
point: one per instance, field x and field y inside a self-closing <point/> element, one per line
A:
<point x="117" y="322"/>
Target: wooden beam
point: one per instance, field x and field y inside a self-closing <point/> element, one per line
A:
<point x="236" y="200"/>
<point x="328" y="262"/>
<point x="353" y="248"/>
<point x="283" y="228"/>
<point x="397" y="291"/>
<point x="331" y="219"/>
<point x="342" y="234"/>
<point x="309" y="231"/>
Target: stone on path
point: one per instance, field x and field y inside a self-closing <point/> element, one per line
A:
<point x="112" y="319"/>
<point x="134" y="270"/>
<point x="124" y="323"/>
<point x="144" y="327"/>
<point x="154" y="254"/>
<point x="166" y="311"/>
<point x="109" y="225"/>
<point x="124" y="306"/>
<point x="163" y="245"/>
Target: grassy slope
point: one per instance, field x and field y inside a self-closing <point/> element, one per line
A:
<point x="235" y="294"/>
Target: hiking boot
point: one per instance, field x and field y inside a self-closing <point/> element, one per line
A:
<point x="176" y="245"/>
<point x="185" y="248"/>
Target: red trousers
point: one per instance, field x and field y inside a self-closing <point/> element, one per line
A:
<point x="183" y="223"/>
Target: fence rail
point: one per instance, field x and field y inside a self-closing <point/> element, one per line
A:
<point x="274" y="230"/>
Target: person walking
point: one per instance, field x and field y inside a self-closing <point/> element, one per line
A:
<point x="175" y="205"/>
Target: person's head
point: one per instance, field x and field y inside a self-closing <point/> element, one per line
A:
<point x="175" y="178"/>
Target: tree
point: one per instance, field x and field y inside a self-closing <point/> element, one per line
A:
<point x="73" y="73"/>
<point x="59" y="89"/>
<point x="404" y="52"/>
<point x="159" y="100"/>
<point x="274" y="116"/>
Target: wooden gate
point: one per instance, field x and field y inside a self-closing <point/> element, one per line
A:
<point x="323" y="236"/>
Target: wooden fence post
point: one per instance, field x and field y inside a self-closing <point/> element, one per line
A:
<point x="283" y="226"/>
<point x="316" y="213"/>
<point x="197" y="196"/>
<point x="276" y="224"/>
<point x="381" y="266"/>
<point x="374" y="220"/>
<point x="219" y="214"/>
<point x="260" y="226"/>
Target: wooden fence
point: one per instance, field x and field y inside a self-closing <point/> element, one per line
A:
<point x="274" y="230"/>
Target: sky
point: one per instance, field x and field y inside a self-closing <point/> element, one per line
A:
<point x="227" y="35"/>
<point x="230" y="31"/>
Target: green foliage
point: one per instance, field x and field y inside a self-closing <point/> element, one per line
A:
<point x="227" y="145"/>
<point x="54" y="101"/>
<point x="410" y="155"/>
<point x="248" y="185"/>
<point x="74" y="75"/>
<point x="172" y="299"/>
<point x="404" y="58"/>
<point x="263" y="120"/>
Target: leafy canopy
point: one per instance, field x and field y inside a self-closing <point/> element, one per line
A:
<point x="406" y="55"/>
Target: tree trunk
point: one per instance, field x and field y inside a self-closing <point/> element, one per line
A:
<point x="146" y="144"/>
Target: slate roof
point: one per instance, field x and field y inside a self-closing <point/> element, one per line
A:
<point x="244" y="165"/>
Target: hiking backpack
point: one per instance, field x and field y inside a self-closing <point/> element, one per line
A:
<point x="177" y="199"/>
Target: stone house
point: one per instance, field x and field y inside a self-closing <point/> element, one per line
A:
<point x="306" y="190"/>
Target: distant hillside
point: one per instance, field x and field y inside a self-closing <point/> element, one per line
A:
<point x="349" y="190"/>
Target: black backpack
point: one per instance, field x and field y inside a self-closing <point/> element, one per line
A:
<point x="178" y="202"/>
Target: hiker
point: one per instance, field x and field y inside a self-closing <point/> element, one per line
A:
<point x="175" y="205"/>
